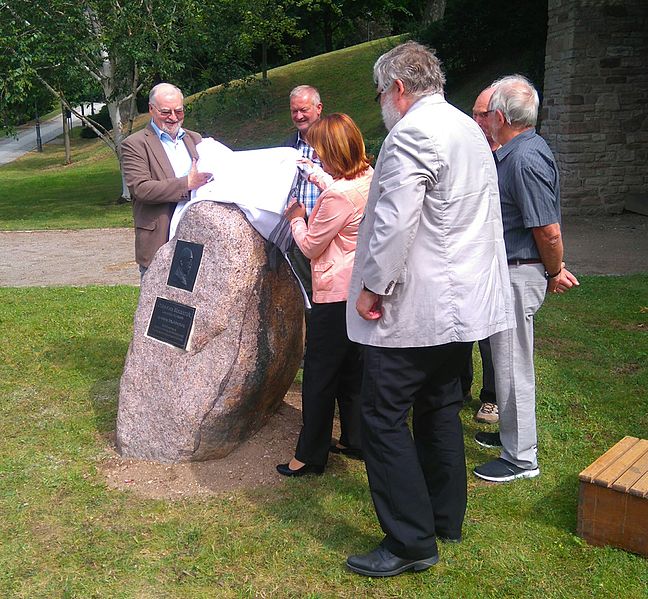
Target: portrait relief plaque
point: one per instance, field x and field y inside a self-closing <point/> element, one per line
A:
<point x="171" y="322"/>
<point x="185" y="264"/>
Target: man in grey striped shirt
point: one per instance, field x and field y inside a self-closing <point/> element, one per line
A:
<point x="530" y="200"/>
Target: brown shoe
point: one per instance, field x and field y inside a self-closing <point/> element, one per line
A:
<point x="487" y="413"/>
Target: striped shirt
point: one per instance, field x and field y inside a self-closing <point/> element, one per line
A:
<point x="529" y="192"/>
<point x="308" y="192"/>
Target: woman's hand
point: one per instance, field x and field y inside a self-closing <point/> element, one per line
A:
<point x="295" y="210"/>
<point x="305" y="165"/>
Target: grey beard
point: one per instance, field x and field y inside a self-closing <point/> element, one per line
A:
<point x="390" y="114"/>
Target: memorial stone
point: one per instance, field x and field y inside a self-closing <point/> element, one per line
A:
<point x="214" y="348"/>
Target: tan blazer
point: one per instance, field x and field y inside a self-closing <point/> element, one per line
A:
<point x="154" y="188"/>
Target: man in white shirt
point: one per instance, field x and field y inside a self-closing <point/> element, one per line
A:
<point x="430" y="277"/>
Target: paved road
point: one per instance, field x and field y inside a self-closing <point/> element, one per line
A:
<point x="11" y="148"/>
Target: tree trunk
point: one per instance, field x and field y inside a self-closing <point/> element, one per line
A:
<point x="327" y="24"/>
<point x="66" y="135"/>
<point x="264" y="60"/>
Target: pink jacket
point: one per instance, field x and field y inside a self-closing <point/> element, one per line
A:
<point x="329" y="239"/>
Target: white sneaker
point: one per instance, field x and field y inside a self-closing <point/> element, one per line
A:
<point x="487" y="413"/>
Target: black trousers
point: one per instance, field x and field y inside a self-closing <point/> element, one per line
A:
<point x="487" y="393"/>
<point x="418" y="483"/>
<point x="332" y="370"/>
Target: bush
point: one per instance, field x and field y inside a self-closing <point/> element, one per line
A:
<point x="103" y="118"/>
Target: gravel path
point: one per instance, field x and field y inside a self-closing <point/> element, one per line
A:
<point x="598" y="245"/>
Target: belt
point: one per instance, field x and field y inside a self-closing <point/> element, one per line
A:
<point x="519" y="261"/>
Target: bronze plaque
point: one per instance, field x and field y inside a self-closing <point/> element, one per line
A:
<point x="171" y="322"/>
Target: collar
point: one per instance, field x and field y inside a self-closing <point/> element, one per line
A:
<point x="163" y="136"/>
<point x="503" y="151"/>
<point x="437" y="98"/>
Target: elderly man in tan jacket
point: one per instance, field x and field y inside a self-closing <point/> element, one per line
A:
<point x="159" y="166"/>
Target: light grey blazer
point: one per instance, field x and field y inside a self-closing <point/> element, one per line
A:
<point x="431" y="239"/>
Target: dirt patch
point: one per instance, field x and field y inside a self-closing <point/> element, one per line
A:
<point x="250" y="466"/>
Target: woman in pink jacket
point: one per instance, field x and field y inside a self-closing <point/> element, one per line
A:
<point x="332" y="363"/>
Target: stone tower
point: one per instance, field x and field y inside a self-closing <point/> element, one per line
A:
<point x="595" y="115"/>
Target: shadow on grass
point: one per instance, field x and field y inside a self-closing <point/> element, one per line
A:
<point x="96" y="359"/>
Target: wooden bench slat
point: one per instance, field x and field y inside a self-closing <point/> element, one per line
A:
<point x="608" y="477"/>
<point x="640" y="488"/>
<point x="609" y="457"/>
<point x="627" y="480"/>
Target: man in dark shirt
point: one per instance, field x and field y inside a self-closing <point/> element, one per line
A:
<point x="487" y="412"/>
<point x="530" y="200"/>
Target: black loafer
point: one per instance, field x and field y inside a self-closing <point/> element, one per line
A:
<point x="382" y="562"/>
<point x="305" y="469"/>
<point x="349" y="452"/>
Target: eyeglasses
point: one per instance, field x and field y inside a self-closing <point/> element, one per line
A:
<point x="383" y="90"/>
<point x="166" y="112"/>
<point x="482" y="114"/>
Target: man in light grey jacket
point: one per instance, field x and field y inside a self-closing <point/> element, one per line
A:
<point x="430" y="277"/>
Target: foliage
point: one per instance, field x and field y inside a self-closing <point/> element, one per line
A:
<point x="67" y="534"/>
<point x="73" y="49"/>
<point x="267" y="23"/>
<point x="341" y="23"/>
<point x="472" y="33"/>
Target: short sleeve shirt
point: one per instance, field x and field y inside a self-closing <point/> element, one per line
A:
<point x="529" y="189"/>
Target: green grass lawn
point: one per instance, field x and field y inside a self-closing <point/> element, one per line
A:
<point x="66" y="534"/>
<point x="38" y="191"/>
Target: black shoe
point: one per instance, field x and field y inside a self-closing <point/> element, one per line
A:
<point x="305" y="469"/>
<point x="349" y="452"/>
<point x="503" y="471"/>
<point x="491" y="440"/>
<point x="382" y="562"/>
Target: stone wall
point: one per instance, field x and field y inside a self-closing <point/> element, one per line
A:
<point x="595" y="115"/>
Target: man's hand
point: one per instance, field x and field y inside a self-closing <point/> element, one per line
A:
<point x="295" y="210"/>
<point x="196" y="179"/>
<point x="563" y="282"/>
<point x="369" y="305"/>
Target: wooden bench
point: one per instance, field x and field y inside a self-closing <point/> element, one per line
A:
<point x="613" y="497"/>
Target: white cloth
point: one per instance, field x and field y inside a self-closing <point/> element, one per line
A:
<point x="431" y="242"/>
<point x="257" y="181"/>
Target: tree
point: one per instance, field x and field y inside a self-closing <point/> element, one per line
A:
<point x="74" y="48"/>
<point x="266" y="23"/>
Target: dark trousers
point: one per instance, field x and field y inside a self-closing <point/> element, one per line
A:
<point x="332" y="370"/>
<point x="418" y="485"/>
<point x="487" y="393"/>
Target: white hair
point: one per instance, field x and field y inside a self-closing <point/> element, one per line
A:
<point x="415" y="65"/>
<point x="161" y="88"/>
<point x="517" y="99"/>
<point x="301" y="90"/>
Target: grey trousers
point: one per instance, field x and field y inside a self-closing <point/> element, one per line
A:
<point x="512" y="352"/>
